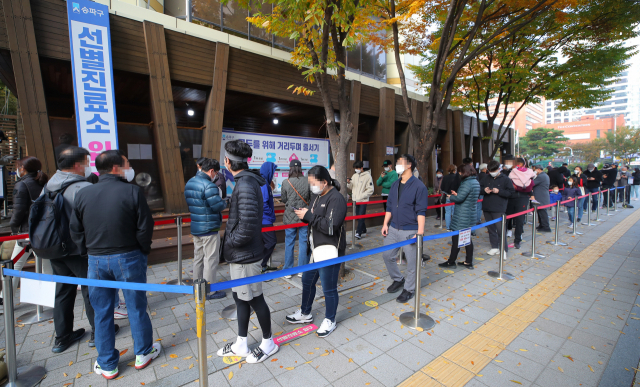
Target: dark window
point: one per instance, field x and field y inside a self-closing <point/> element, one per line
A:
<point x="598" y="133"/>
<point x="353" y="58"/>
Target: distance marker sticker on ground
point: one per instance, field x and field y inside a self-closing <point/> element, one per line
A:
<point x="372" y="304"/>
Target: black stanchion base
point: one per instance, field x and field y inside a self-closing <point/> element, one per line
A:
<point x="423" y="321"/>
<point x="505" y="276"/>
<point x="32" y="317"/>
<point x="28" y="376"/>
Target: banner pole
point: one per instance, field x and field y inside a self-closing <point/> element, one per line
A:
<point x="417" y="320"/>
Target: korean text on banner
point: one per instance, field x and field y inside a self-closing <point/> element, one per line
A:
<point x="280" y="150"/>
<point x="465" y="237"/>
<point x="91" y="63"/>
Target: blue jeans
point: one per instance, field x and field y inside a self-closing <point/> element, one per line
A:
<point x="580" y="209"/>
<point x="329" y="278"/>
<point x="126" y="267"/>
<point x="290" y="242"/>
<point x="448" y="212"/>
<point x="594" y="200"/>
<point x="635" y="191"/>
<point x="570" y="212"/>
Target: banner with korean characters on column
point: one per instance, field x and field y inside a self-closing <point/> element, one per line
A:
<point x="91" y="63"/>
<point x="280" y="150"/>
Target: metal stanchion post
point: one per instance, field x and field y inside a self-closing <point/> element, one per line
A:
<point x="353" y="230"/>
<point x="608" y="200"/>
<point x="526" y="217"/>
<point x="200" y="286"/>
<point x="533" y="253"/>
<point x="26" y="376"/>
<point x="575" y="218"/>
<point x="503" y="236"/>
<point x="624" y="197"/>
<point x="38" y="315"/>
<point x="589" y="213"/>
<point x="598" y="206"/>
<point x="556" y="242"/>
<point x="442" y="211"/>
<point x="415" y="319"/>
<point x="615" y="199"/>
<point x="180" y="281"/>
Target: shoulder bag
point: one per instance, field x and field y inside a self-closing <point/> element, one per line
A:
<point x="300" y="196"/>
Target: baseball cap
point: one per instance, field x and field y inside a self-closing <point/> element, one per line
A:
<point x="387" y="163"/>
<point x="295" y="163"/>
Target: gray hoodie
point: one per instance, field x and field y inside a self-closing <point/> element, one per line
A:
<point x="75" y="183"/>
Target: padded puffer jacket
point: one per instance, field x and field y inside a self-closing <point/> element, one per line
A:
<point x="464" y="213"/>
<point x="291" y="198"/>
<point x="243" y="236"/>
<point x="205" y="204"/>
<point x="25" y="192"/>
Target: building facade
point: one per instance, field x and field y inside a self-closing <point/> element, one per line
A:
<point x="178" y="84"/>
<point x="587" y="128"/>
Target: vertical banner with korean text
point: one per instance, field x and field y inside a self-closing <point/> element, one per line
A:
<point x="91" y="63"/>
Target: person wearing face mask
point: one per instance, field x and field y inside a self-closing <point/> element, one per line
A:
<point x="29" y="184"/>
<point x="112" y="223"/>
<point x="205" y="205"/>
<point x="541" y="195"/>
<point x="625" y="174"/>
<point x="325" y="216"/>
<point x="450" y="183"/>
<point x="243" y="250"/>
<point x="386" y="180"/>
<point x="593" y="178"/>
<point x="361" y="186"/>
<point x="570" y="192"/>
<point x="404" y="218"/>
<point x="635" y="185"/>
<point x="522" y="179"/>
<point x="68" y="181"/>
<point x="497" y="189"/>
<point x="580" y="182"/>
<point x="437" y="191"/>
<point x="482" y="173"/>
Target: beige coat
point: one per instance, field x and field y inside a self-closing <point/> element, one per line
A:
<point x="361" y="186"/>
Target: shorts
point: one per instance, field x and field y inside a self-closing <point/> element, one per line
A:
<point x="238" y="271"/>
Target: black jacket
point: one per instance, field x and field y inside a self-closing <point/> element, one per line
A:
<point x="111" y="217"/>
<point x="636" y="178"/>
<point x="611" y="173"/>
<point x="243" y="236"/>
<point x="597" y="175"/>
<point x="496" y="202"/>
<point x="556" y="178"/>
<point x="324" y="211"/>
<point x="564" y="171"/>
<point x="450" y="182"/>
<point x="25" y="192"/>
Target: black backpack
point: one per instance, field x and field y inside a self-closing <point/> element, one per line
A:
<point x="49" y="226"/>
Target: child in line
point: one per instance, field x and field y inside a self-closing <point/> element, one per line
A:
<point x="570" y="192"/>
<point x="554" y="196"/>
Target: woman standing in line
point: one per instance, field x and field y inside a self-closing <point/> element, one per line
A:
<point x="325" y="217"/>
<point x="464" y="215"/>
<point x="580" y="181"/>
<point x="570" y="192"/>
<point x="450" y="183"/>
<point x="295" y="194"/>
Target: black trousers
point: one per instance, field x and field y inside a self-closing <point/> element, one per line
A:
<point x="495" y="230"/>
<point x="514" y="206"/>
<point x="608" y="198"/>
<point x="543" y="217"/>
<point x="361" y="209"/>
<point x="72" y="266"/>
<point x="455" y="250"/>
<point x="269" y="241"/>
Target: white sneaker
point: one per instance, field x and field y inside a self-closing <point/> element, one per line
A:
<point x="504" y="257"/>
<point x="143" y="360"/>
<point x="287" y="276"/>
<point x="299" y="318"/>
<point x="120" y="312"/>
<point x="258" y="355"/>
<point x="300" y="275"/>
<point x="106" y="374"/>
<point x="509" y="233"/>
<point x="326" y="328"/>
<point x="570" y="226"/>
<point x="493" y="252"/>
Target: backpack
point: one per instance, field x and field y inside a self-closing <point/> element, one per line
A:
<point x="49" y="226"/>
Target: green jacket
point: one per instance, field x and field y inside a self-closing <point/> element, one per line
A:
<point x="386" y="181"/>
<point x="464" y="212"/>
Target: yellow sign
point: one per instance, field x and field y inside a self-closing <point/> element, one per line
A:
<point x="232" y="359"/>
<point x="372" y="304"/>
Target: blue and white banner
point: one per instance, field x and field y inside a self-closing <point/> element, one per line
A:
<point x="280" y="150"/>
<point x="91" y="63"/>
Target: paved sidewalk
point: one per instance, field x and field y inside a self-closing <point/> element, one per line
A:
<point x="579" y="333"/>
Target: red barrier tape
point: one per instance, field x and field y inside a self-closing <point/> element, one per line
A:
<point x="20" y="254"/>
<point x="546" y="206"/>
<point x="567" y="201"/>
<point x="519" y="213"/>
<point x="14" y="237"/>
<point x="374" y="202"/>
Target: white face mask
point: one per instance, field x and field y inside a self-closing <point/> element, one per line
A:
<point x="129" y="174"/>
<point x="358" y="170"/>
<point x="387" y="169"/>
<point x="400" y="169"/>
<point x="18" y="173"/>
<point x="577" y="171"/>
<point x="316" y="190"/>
<point x="87" y="171"/>
<point x="494" y="174"/>
<point x="439" y="176"/>
<point x="590" y="169"/>
<point x="507" y="167"/>
<point x="556" y="191"/>
<point x="570" y="182"/>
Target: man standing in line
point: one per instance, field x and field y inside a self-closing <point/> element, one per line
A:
<point x="71" y="178"/>
<point x="481" y="175"/>
<point x="609" y="175"/>
<point x="205" y="206"/>
<point x="113" y="224"/>
<point x="625" y="174"/>
<point x="497" y="189"/>
<point x="361" y="186"/>
<point x="541" y="195"/>
<point x="219" y="179"/>
<point x="404" y="219"/>
<point x="386" y="179"/>
<point x="519" y="199"/>
<point x="594" y="179"/>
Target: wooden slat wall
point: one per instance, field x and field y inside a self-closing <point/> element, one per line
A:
<point x="182" y="48"/>
<point x="370" y="101"/>
<point x="26" y="65"/>
<point x="458" y="137"/>
<point x="383" y="134"/>
<point x="354" y="100"/>
<point x="164" y="120"/>
<point x="401" y="116"/>
<point x="4" y="39"/>
<point x="214" y="113"/>
<point x="6" y="71"/>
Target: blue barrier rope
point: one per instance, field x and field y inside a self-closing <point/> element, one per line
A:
<point x="331" y="262"/>
<point x="101" y="283"/>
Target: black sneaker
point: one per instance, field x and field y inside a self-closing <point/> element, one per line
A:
<point x="92" y="340"/>
<point x="395" y="286"/>
<point x="544" y="230"/>
<point x="446" y="264"/>
<point x="405" y="296"/>
<point x="63" y="345"/>
<point x="516" y="245"/>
